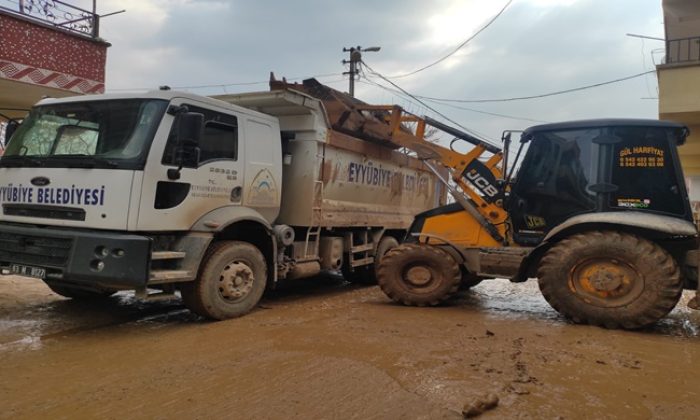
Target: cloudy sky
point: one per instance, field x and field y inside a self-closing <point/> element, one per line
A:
<point x="534" y="47"/>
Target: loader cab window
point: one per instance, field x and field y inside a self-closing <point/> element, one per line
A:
<point x="644" y="171"/>
<point x="554" y="181"/>
<point x="219" y="139"/>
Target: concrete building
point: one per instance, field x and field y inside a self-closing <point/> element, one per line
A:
<point x="48" y="49"/>
<point x="679" y="81"/>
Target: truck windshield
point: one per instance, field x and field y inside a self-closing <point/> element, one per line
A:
<point x="114" y="134"/>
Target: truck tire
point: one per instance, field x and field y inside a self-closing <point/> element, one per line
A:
<point x="79" y="294"/>
<point x="368" y="274"/>
<point x="419" y="275"/>
<point x="231" y="281"/>
<point x="610" y="279"/>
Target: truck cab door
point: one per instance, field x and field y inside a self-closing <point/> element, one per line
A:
<point x="210" y="177"/>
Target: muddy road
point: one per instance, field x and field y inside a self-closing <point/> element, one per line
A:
<point x="325" y="349"/>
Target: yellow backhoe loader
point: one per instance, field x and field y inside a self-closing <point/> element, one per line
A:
<point x="598" y="212"/>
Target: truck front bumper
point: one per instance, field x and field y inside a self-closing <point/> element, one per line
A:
<point x="89" y="258"/>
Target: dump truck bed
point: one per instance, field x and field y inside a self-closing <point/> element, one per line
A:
<point x="334" y="179"/>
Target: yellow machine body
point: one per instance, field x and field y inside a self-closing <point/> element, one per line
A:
<point x="458" y="228"/>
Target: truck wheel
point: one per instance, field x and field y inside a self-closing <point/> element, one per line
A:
<point x="368" y="274"/>
<point x="418" y="275"/>
<point x="610" y="279"/>
<point x="231" y="281"/>
<point x="79" y="294"/>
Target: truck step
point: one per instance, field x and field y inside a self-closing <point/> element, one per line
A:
<point x="167" y="255"/>
<point x="169" y="276"/>
<point x="144" y="295"/>
<point x="362" y="248"/>
<point x="361" y="261"/>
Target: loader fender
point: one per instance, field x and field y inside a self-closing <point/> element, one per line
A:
<point x="651" y="226"/>
<point x="655" y="225"/>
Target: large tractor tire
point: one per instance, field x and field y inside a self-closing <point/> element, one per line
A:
<point x="79" y="294"/>
<point x="368" y="274"/>
<point x="231" y="281"/>
<point x="610" y="279"/>
<point x="419" y="275"/>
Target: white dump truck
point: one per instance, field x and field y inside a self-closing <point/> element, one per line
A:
<point x="217" y="198"/>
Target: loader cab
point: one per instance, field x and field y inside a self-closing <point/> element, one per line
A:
<point x="596" y="166"/>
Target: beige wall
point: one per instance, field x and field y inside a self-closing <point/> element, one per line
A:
<point x="679" y="89"/>
<point x="679" y="100"/>
<point x="681" y="18"/>
<point x="679" y="82"/>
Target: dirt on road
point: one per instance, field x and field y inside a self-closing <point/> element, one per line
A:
<point x="325" y="349"/>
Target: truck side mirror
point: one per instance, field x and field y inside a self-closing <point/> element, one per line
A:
<point x="190" y="127"/>
<point x="10" y="129"/>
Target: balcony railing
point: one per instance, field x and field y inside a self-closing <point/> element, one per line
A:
<point x="683" y="50"/>
<point x="57" y="13"/>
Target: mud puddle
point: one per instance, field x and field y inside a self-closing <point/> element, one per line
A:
<point x="324" y="349"/>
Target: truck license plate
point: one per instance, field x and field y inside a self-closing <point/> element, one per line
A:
<point x="25" y="270"/>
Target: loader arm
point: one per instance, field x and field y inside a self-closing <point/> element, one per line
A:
<point x="477" y="181"/>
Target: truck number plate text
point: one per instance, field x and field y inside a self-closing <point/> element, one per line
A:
<point x="25" y="270"/>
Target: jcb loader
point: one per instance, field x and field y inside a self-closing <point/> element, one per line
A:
<point x="598" y="212"/>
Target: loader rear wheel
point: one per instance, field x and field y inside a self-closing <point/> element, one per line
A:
<point x="419" y="275"/>
<point x="231" y="281"/>
<point x="610" y="279"/>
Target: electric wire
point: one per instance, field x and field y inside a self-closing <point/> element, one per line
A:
<point x="402" y="95"/>
<point x="459" y="47"/>
<point x="543" y="95"/>
<point x="225" y="85"/>
<point x="495" y="114"/>
<point x="473" y="132"/>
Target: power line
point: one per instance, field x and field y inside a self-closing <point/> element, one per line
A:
<point x="495" y="114"/>
<point x="544" y="95"/>
<point x="224" y="85"/>
<point x="252" y="83"/>
<point x="486" y="139"/>
<point x="402" y="96"/>
<point x="459" y="47"/>
<point x="478" y="111"/>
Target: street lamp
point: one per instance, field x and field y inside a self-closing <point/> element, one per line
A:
<point x="355" y="59"/>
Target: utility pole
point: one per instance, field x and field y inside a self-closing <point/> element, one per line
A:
<point x="354" y="61"/>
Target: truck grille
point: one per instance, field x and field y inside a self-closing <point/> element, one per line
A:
<point x="34" y="250"/>
<point x="46" y="212"/>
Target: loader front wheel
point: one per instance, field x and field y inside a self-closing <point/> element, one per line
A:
<point x="231" y="281"/>
<point x="610" y="279"/>
<point x="418" y="275"/>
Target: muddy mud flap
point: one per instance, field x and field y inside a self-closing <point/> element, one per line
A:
<point x="89" y="258"/>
